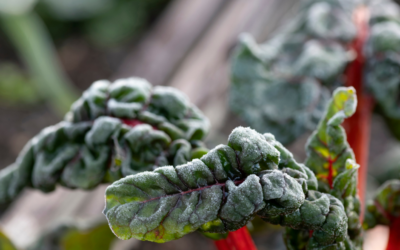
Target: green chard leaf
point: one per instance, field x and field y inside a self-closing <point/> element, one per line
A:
<point x="112" y="131"/>
<point x="5" y="243"/>
<point x="327" y="148"/>
<point x="282" y="86"/>
<point x="385" y="206"/>
<point x="222" y="191"/>
<point x="332" y="160"/>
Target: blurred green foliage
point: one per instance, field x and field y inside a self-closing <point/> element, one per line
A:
<point x="16" y="88"/>
<point x="104" y="22"/>
<point x="69" y="237"/>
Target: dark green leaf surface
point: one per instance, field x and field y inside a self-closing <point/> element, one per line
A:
<point x="165" y="108"/>
<point x="282" y="86"/>
<point x="113" y="130"/>
<point x="221" y="192"/>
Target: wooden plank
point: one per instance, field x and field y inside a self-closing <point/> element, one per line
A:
<point x="157" y="55"/>
<point x="34" y="212"/>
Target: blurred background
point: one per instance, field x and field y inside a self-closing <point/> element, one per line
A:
<point x="52" y="50"/>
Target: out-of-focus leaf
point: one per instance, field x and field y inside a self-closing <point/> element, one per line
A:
<point x="105" y="23"/>
<point x="16" y="7"/>
<point x="76" y="9"/>
<point x="69" y="237"/>
<point x="123" y="20"/>
<point x="383" y="10"/>
<point x="113" y="130"/>
<point x="385" y="206"/>
<point x="283" y="86"/>
<point x="222" y="191"/>
<point x="383" y="61"/>
<point x="327" y="21"/>
<point x="5" y="243"/>
<point x="327" y="148"/>
<point x="15" y="87"/>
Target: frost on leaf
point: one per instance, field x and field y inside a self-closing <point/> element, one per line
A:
<point x="282" y="86"/>
<point x="221" y="192"/>
<point x="330" y="157"/>
<point x="327" y="148"/>
<point x="112" y="131"/>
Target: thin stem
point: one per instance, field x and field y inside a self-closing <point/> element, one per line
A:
<point x="30" y="38"/>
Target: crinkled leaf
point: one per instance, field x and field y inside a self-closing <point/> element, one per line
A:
<point x="165" y="108"/>
<point x="327" y="148"/>
<point x="290" y="166"/>
<point x="345" y="184"/>
<point x="221" y="192"/>
<point x="332" y="160"/>
<point x="345" y="189"/>
<point x="112" y="131"/>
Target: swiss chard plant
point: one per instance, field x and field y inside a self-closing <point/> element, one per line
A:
<point x="281" y="86"/>
<point x="148" y="142"/>
<point x="253" y="175"/>
<point x="166" y="184"/>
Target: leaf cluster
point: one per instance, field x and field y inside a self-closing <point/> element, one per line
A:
<point x="113" y="130"/>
